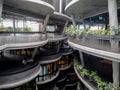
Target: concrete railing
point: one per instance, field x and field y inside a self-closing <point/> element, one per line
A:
<point x="107" y="47"/>
<point x="14" y="40"/>
<point x="21" y="38"/>
<point x="101" y="42"/>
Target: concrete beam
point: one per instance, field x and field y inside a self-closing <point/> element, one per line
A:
<point x="73" y="21"/>
<point x="1" y="7"/>
<point x="45" y="22"/>
<point x="81" y="58"/>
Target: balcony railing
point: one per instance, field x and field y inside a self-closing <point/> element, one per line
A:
<point x="101" y="42"/>
<point x="21" y="37"/>
<point x="41" y="79"/>
<point x="9" y="38"/>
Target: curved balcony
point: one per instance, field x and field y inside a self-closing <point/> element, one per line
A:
<point x="49" y="72"/>
<point x="49" y="79"/>
<point x="51" y="69"/>
<point x="64" y="66"/>
<point x="47" y="56"/>
<point x="88" y="8"/>
<point x="85" y="82"/>
<point x="50" y="59"/>
<point x="71" y="82"/>
<point x="37" y="8"/>
<point x="97" y="45"/>
<point x="54" y="38"/>
<point x="66" y="50"/>
<point x="16" y="74"/>
<point x="65" y="62"/>
<point x="62" y="79"/>
<point x="61" y="82"/>
<point x="22" y="40"/>
<point x="62" y="18"/>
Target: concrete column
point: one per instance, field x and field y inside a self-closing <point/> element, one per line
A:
<point x="115" y="65"/>
<point x="84" y="24"/>
<point x="14" y="24"/>
<point x="59" y="46"/>
<point x="113" y="18"/>
<point x="36" y="87"/>
<point x="113" y="21"/>
<point x="81" y="58"/>
<point x="34" y="53"/>
<point x="60" y="6"/>
<point x="45" y="71"/>
<point x="1" y="7"/>
<point x="73" y="21"/>
<point x="66" y="23"/>
<point x="45" y="22"/>
<point x="24" y="22"/>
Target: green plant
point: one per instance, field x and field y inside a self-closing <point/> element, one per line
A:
<point x="92" y="75"/>
<point x="85" y="73"/>
<point x="114" y="30"/>
<point x="9" y="29"/>
<point x="80" y="67"/>
<point x="111" y="86"/>
<point x="26" y="29"/>
<point x="98" y="32"/>
<point x="97" y="79"/>
<point x="2" y="28"/>
<point x="101" y="85"/>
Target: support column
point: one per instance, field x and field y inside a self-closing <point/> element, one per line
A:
<point x="113" y="21"/>
<point x="73" y="21"/>
<point x="24" y="22"/>
<point x="59" y="45"/>
<point x="84" y="24"/>
<point x="66" y="23"/>
<point x="14" y="29"/>
<point x="45" y="22"/>
<point x="115" y="65"/>
<point x="81" y="58"/>
<point x="16" y="25"/>
<point x="36" y="87"/>
<point x="60" y="6"/>
<point x="113" y="18"/>
<point x="1" y="7"/>
<point x="34" y="53"/>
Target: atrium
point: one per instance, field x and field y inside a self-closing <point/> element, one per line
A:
<point x="59" y="45"/>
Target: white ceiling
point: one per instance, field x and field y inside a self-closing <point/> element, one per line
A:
<point x="86" y="8"/>
<point x="35" y="6"/>
<point x="58" y="15"/>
